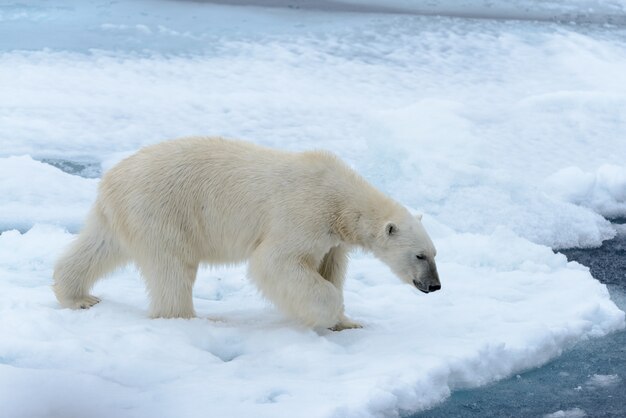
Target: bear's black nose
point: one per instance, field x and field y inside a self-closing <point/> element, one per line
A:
<point x="434" y="287"/>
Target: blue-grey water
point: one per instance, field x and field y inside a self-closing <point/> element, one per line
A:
<point x="587" y="380"/>
<point x="88" y="169"/>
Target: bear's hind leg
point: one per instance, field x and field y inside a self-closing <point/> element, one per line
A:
<point x="170" y="286"/>
<point x="93" y="254"/>
<point x="333" y="268"/>
<point x="296" y="289"/>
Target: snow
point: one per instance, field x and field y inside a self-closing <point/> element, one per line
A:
<point x="508" y="135"/>
<point x="603" y="380"/>
<point x="496" y="316"/>
<point x="620" y="230"/>
<point x="603" y="191"/>
<point x="570" y="413"/>
<point x="32" y="191"/>
<point x="403" y="98"/>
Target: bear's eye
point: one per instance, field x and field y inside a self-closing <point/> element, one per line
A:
<point x="420" y="257"/>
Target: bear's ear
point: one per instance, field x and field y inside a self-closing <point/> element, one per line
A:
<point x="418" y="216"/>
<point x="391" y="229"/>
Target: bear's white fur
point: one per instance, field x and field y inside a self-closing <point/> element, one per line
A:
<point x="293" y="216"/>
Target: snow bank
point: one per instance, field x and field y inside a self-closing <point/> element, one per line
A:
<point x="31" y="192"/>
<point x="506" y="306"/>
<point x="603" y="191"/>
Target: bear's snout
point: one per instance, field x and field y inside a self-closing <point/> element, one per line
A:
<point x="420" y="286"/>
<point x="426" y="289"/>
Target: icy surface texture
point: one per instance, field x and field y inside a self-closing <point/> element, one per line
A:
<point x="465" y="120"/>
<point x="32" y="191"/>
<point x="603" y="191"/>
<point x="497" y="315"/>
<point x="461" y="119"/>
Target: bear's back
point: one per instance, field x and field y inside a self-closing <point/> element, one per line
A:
<point x="232" y="190"/>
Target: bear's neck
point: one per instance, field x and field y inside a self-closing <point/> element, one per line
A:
<point x="362" y="214"/>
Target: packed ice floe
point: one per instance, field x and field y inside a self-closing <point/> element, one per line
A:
<point x="603" y="191"/>
<point x="32" y="192"/>
<point x="493" y="129"/>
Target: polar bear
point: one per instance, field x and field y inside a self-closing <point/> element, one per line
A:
<point x="293" y="216"/>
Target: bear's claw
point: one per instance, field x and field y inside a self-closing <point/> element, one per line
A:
<point x="84" y="302"/>
<point x="88" y="302"/>
<point x="346" y="323"/>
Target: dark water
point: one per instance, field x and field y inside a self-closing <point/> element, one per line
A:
<point x="567" y="383"/>
<point x="88" y="169"/>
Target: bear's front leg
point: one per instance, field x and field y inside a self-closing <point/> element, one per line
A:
<point x="333" y="268"/>
<point x="296" y="289"/>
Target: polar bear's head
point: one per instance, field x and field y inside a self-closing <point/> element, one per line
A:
<point x="404" y="245"/>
